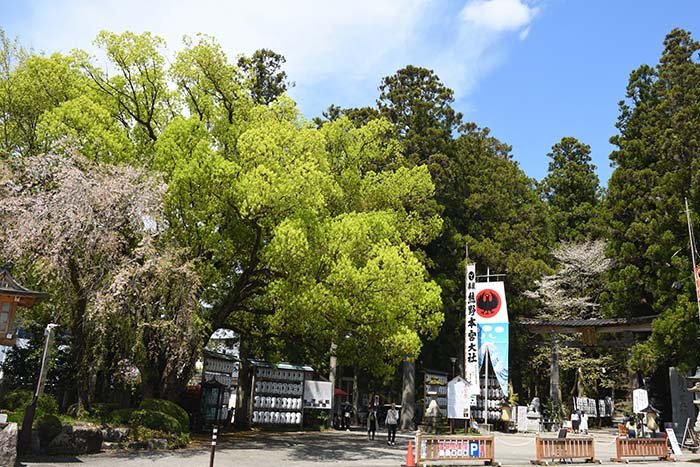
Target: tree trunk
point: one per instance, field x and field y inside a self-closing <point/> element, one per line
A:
<point x="331" y="377"/>
<point x="408" y="397"/>
<point x="243" y="394"/>
<point x="78" y="308"/>
<point x="79" y="345"/>
<point x="355" y="395"/>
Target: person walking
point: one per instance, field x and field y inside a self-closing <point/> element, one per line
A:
<point x="575" y="420"/>
<point x="347" y="413"/>
<point x="371" y="422"/>
<point x="392" y="421"/>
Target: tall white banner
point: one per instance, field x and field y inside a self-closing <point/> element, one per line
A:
<point x="492" y="322"/>
<point x="471" y="334"/>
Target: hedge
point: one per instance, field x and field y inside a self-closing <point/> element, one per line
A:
<point x="169" y="408"/>
<point x="154" y="420"/>
<point x="120" y="416"/>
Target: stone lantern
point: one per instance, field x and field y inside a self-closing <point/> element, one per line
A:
<point x="696" y="400"/>
<point x="12" y="295"/>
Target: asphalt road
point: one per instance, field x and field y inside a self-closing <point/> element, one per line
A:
<point x="312" y="450"/>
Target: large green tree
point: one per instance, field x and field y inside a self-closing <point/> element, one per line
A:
<point x="272" y="227"/>
<point x="419" y="106"/>
<point x="492" y="207"/>
<point x="571" y="189"/>
<point x="656" y="167"/>
<point x="485" y="199"/>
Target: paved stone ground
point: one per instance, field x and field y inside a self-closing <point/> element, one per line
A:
<point x="314" y="450"/>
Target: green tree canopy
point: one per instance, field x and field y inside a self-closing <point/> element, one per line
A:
<point x="419" y="106"/>
<point x="270" y="226"/>
<point x="571" y="189"/>
<point x="656" y="167"/>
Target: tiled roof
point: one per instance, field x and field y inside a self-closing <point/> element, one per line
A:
<point x="586" y="322"/>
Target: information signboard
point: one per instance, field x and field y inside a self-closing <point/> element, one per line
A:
<point x="317" y="394"/>
<point x="458" y="399"/>
<point x="640" y="400"/>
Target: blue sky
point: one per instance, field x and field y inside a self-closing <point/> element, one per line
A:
<point x="531" y="70"/>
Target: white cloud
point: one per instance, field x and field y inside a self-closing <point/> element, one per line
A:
<point x="524" y="33"/>
<point x="498" y="15"/>
<point x="336" y="51"/>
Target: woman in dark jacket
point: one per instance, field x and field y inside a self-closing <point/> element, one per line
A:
<point x="371" y="423"/>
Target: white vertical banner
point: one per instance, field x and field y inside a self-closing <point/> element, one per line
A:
<point x="471" y="333"/>
<point x="492" y="321"/>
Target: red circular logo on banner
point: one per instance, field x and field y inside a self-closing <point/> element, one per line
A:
<point x="488" y="302"/>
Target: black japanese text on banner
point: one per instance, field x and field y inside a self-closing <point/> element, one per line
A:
<point x="471" y="333"/>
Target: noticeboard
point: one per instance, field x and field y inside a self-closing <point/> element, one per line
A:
<point x="458" y="399"/>
<point x="640" y="400"/>
<point x="318" y="394"/>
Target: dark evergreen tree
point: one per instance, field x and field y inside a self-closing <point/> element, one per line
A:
<point x="571" y="189"/>
<point x="420" y="107"/>
<point x="656" y="167"/>
<point x="267" y="80"/>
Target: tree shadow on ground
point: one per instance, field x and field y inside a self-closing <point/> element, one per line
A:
<point x="322" y="447"/>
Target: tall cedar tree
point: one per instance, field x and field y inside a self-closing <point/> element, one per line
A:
<point x="486" y="200"/>
<point x="656" y="167"/>
<point x="419" y="106"/>
<point x="571" y="189"/>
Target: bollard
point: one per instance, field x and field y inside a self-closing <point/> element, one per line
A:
<point x="213" y="446"/>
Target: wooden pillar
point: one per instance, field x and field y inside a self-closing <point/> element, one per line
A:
<point x="554" y="386"/>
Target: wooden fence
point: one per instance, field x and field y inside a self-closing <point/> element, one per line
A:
<point x="564" y="449"/>
<point x="640" y="447"/>
<point x="454" y="450"/>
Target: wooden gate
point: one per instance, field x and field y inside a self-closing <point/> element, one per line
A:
<point x="454" y="450"/>
<point x="564" y="449"/>
<point x="640" y="447"/>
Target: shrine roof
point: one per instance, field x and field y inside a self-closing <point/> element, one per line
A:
<point x="639" y="323"/>
<point x="10" y="286"/>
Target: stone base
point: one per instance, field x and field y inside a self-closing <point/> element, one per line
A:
<point x="8" y="444"/>
<point x="78" y="439"/>
<point x="534" y="424"/>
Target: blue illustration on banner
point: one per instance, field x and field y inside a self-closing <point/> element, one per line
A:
<point x="494" y="336"/>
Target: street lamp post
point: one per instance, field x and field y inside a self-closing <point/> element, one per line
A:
<point x="453" y="360"/>
<point x="25" y="435"/>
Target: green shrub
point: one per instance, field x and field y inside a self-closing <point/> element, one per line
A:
<point x="77" y="411"/>
<point x="120" y="417"/>
<point x="169" y="408"/>
<point x="49" y="426"/>
<point x="155" y="421"/>
<point x="19" y="400"/>
<point x="16" y="417"/>
<point x="102" y="410"/>
<point x="141" y="435"/>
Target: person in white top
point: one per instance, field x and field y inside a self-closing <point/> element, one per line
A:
<point x="392" y="421"/>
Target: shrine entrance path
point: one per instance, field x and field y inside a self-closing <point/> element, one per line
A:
<point x="316" y="449"/>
